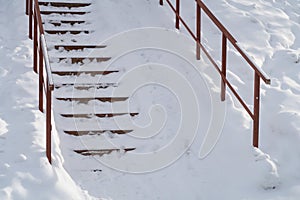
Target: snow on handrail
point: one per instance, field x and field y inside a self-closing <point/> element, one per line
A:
<point x="47" y="62"/>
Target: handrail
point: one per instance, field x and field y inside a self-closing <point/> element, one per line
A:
<point x="41" y="61"/>
<point x="47" y="62"/>
<point x="226" y="35"/>
<point x="38" y="16"/>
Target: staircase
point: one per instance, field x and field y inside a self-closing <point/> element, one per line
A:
<point x="84" y="106"/>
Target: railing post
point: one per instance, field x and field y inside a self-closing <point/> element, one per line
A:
<point x="161" y="2"/>
<point x="35" y="43"/>
<point x="41" y="75"/>
<point x="224" y="66"/>
<point x="198" y="25"/>
<point x="48" y="122"/>
<point x="256" y="109"/>
<point x="26" y="8"/>
<point x="30" y="12"/>
<point x="177" y="13"/>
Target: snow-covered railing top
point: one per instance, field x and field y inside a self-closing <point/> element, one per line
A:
<point x="226" y="35"/>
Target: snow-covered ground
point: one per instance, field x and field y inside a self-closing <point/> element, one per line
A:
<point x="270" y="33"/>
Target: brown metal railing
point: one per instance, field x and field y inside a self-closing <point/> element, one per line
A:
<point x="226" y="36"/>
<point x="41" y="62"/>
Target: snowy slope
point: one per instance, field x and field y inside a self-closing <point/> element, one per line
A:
<point x="24" y="170"/>
<point x="268" y="30"/>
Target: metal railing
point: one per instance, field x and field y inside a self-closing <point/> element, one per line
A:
<point x="41" y="62"/>
<point x="226" y="36"/>
<point x="46" y="85"/>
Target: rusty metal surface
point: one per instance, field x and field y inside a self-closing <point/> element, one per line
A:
<point x="224" y="66"/>
<point x="256" y="110"/>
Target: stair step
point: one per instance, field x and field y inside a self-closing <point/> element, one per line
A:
<point x="122" y="122"/>
<point x="60" y="22"/>
<point x="75" y="60"/>
<point x="97" y="132"/>
<point x="69" y="47"/>
<point x="92" y="73"/>
<point x="90" y="91"/>
<point x="86" y="79"/>
<point x="100" y="115"/>
<point x="74" y="32"/>
<point x="87" y="99"/>
<point x="72" y="107"/>
<point x="49" y="12"/>
<point x="101" y="152"/>
<point x="86" y="66"/>
<point x="53" y="39"/>
<point x="64" y="4"/>
<point x="82" y="86"/>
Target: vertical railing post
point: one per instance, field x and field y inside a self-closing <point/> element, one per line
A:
<point x="224" y="66"/>
<point x="256" y="110"/>
<point x="48" y="122"/>
<point x="26" y="8"/>
<point x="41" y="75"/>
<point x="35" y="43"/>
<point x="198" y="26"/>
<point x="177" y="13"/>
<point x="161" y="2"/>
<point x="30" y="15"/>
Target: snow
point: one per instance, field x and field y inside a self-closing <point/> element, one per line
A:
<point x="269" y="31"/>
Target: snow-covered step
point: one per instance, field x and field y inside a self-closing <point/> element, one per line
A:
<point x="64" y="12"/>
<point x="87" y="99"/>
<point x="97" y="132"/>
<point x="85" y="79"/>
<point x="68" y="26"/>
<point x="64" y="4"/>
<point x="99" y="115"/>
<point x="80" y="53"/>
<point x="80" y="91"/>
<point x="93" y="106"/>
<point x="66" y="1"/>
<point x="70" y="47"/>
<point x="88" y="65"/>
<point x="65" y="18"/>
<point x="85" y="68"/>
<point x="95" y="123"/>
<point x="94" y="142"/>
<point x="101" y="152"/>
<point x="77" y="73"/>
<point x="80" y="59"/>
<point x="68" y="38"/>
<point x="66" y="22"/>
<point x="74" y="31"/>
<point x="82" y="86"/>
